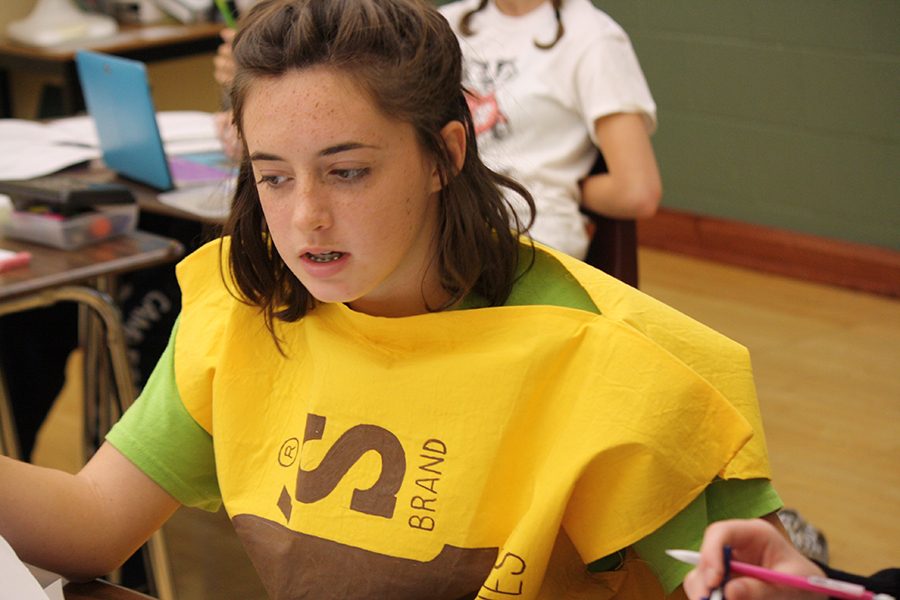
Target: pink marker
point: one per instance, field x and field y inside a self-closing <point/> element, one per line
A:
<point x="10" y="260"/>
<point x="821" y="585"/>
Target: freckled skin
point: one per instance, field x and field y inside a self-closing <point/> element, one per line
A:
<point x="374" y="199"/>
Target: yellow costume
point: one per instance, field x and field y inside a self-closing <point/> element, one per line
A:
<point x="488" y="452"/>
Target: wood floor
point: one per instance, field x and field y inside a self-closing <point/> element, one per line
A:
<point x="827" y="364"/>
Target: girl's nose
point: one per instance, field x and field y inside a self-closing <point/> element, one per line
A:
<point x="312" y="211"/>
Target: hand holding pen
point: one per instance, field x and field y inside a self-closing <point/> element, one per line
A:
<point x="784" y="576"/>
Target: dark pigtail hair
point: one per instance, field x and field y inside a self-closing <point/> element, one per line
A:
<point x="465" y="23"/>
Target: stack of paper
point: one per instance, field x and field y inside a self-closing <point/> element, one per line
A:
<point x="31" y="149"/>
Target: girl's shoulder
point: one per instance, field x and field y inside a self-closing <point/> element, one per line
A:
<point x="204" y="276"/>
<point x="202" y="257"/>
<point x="545" y="280"/>
<point x="584" y="20"/>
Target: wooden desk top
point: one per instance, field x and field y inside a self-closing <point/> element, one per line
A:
<point x="100" y="590"/>
<point x="129" y="39"/>
<point x="51" y="267"/>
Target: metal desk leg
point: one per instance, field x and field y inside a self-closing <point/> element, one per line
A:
<point x="9" y="439"/>
<point x="6" y="102"/>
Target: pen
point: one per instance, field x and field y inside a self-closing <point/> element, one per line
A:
<point x="821" y="585"/>
<point x="222" y="5"/>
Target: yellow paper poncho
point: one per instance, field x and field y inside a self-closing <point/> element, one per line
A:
<point x="425" y="456"/>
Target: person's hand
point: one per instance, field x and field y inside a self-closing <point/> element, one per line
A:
<point x="227" y="133"/>
<point x="752" y="541"/>
<point x="223" y="62"/>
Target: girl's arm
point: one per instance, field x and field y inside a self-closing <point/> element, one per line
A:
<point x="632" y="188"/>
<point x="83" y="525"/>
<point x="223" y="61"/>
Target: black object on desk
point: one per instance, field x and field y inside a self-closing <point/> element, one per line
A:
<point x="66" y="194"/>
<point x="68" y="212"/>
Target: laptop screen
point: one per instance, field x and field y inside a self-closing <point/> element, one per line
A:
<point x="118" y="98"/>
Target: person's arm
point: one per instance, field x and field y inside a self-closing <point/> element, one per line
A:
<point x="82" y="525"/>
<point x="228" y="135"/>
<point x="223" y="61"/>
<point x="754" y="541"/>
<point x="223" y="71"/>
<point x="632" y="188"/>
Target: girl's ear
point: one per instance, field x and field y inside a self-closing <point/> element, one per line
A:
<point x="454" y="135"/>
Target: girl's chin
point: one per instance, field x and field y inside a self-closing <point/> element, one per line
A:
<point x="326" y="294"/>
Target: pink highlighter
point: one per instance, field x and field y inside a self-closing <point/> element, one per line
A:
<point x="12" y="260"/>
<point x="821" y="585"/>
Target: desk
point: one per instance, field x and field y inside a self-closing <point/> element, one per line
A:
<point x="86" y="277"/>
<point x="51" y="267"/>
<point x="100" y="590"/>
<point x="146" y="43"/>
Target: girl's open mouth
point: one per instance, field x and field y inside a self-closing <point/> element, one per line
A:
<point x="324" y="257"/>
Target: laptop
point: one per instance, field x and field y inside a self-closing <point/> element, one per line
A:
<point x="118" y="97"/>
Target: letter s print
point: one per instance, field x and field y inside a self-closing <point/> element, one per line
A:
<point x="379" y="500"/>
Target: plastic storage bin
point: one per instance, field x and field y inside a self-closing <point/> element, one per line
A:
<point x="69" y="233"/>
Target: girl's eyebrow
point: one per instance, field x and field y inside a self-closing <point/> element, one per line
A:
<point x="336" y="149"/>
<point x="264" y="156"/>
<point x="344" y="148"/>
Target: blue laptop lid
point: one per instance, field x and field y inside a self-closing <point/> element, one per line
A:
<point x="117" y="95"/>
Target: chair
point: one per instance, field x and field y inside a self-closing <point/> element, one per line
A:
<point x="613" y="246"/>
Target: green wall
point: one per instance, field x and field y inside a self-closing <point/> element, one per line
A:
<point x="783" y="113"/>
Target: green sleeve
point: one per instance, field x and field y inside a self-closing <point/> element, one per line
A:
<point x="723" y="499"/>
<point x="161" y="438"/>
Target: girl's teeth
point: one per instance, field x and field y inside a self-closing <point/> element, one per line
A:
<point x="325" y="256"/>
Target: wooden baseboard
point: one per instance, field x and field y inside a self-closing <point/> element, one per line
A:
<point x="822" y="260"/>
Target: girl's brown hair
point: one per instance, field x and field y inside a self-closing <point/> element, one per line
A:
<point x="404" y="54"/>
<point x="465" y="23"/>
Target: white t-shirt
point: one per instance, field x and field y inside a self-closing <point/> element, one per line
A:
<point x="535" y="109"/>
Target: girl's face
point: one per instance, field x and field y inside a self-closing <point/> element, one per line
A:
<point x="349" y="196"/>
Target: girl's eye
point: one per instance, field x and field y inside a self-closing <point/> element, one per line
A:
<point x="271" y="180"/>
<point x="350" y="174"/>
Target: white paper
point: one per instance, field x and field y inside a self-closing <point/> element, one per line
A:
<point x="197" y="146"/>
<point x="81" y="129"/>
<point x="175" y="125"/>
<point x="51" y="582"/>
<point x="208" y="201"/>
<point x="18" y="582"/>
<point x="31" y="149"/>
<point x="25" y="161"/>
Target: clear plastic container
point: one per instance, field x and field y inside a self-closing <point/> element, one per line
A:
<point x="72" y="232"/>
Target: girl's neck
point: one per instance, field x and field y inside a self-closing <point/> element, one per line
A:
<point x="517" y="8"/>
<point x="416" y="300"/>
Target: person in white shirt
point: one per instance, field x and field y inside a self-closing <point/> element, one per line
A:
<point x="551" y="81"/>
